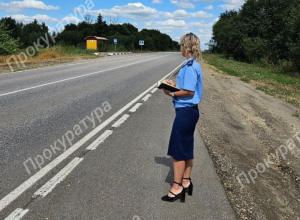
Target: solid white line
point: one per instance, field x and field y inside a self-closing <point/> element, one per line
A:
<point x="154" y="90"/>
<point x="120" y="121"/>
<point x="17" y="214"/>
<point x="92" y="62"/>
<point x="59" y="177"/>
<point x="146" y="97"/>
<point x="32" y="180"/>
<point x="135" y="108"/>
<point x="99" y="140"/>
<point x="76" y="77"/>
<point x="63" y="65"/>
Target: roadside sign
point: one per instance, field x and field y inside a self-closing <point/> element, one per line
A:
<point x="211" y="41"/>
<point x="141" y="42"/>
<point x="115" y="43"/>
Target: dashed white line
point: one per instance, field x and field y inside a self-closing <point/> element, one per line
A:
<point x="134" y="108"/>
<point x="120" y="121"/>
<point x="40" y="174"/>
<point x="17" y="214"/>
<point x="99" y="140"/>
<point x="51" y="184"/>
<point x="146" y="97"/>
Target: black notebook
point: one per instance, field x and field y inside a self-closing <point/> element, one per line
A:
<point x="164" y="85"/>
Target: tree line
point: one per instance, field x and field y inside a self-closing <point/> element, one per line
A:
<point x="262" y="30"/>
<point x="15" y="35"/>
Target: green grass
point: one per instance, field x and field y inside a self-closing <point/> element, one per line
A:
<point x="268" y="79"/>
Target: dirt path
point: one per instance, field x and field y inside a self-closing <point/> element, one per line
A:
<point x="247" y="130"/>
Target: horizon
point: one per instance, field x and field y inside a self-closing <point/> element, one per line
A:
<point x="172" y="17"/>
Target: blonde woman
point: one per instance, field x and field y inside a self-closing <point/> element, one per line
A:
<point x="181" y="145"/>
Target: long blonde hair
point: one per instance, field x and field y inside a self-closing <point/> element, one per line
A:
<point x="191" y="43"/>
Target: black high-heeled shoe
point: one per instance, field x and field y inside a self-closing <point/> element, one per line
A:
<point x="180" y="196"/>
<point x="189" y="189"/>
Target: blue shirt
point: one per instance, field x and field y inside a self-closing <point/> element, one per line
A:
<point x="189" y="78"/>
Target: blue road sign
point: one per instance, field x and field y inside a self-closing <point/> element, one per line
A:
<point x="141" y="42"/>
<point x="115" y="41"/>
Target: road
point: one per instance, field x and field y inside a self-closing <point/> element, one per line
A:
<point x="43" y="106"/>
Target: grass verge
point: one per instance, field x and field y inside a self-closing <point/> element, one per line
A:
<point x="268" y="79"/>
<point x="45" y="57"/>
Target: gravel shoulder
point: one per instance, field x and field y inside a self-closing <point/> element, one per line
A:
<point x="247" y="131"/>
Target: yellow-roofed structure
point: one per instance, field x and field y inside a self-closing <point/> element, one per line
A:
<point x="92" y="42"/>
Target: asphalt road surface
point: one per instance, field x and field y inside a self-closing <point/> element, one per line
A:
<point x="87" y="164"/>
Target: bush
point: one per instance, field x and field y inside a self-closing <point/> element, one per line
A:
<point x="120" y="47"/>
<point x="295" y="55"/>
<point x="8" y="45"/>
<point x="82" y="45"/>
<point x="101" y="46"/>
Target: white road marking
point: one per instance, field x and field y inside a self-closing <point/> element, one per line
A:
<point x="76" y="77"/>
<point x="17" y="214"/>
<point x="135" y="107"/>
<point x="120" y="121"/>
<point x="99" y="140"/>
<point x="51" y="184"/>
<point x="146" y="97"/>
<point x="93" y="62"/>
<point x="48" y="67"/>
<point x="40" y="174"/>
<point x="154" y="90"/>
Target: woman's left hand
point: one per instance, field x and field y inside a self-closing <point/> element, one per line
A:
<point x="167" y="92"/>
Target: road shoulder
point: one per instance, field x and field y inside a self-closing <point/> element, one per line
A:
<point x="247" y="131"/>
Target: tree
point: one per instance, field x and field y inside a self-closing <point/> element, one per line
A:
<point x="85" y="29"/>
<point x="128" y="35"/>
<point x="293" y="36"/>
<point x="101" y="27"/>
<point x="12" y="25"/>
<point x="222" y="31"/>
<point x="261" y="29"/>
<point x="70" y="27"/>
<point x="132" y="29"/>
<point x="31" y="32"/>
<point x="88" y="18"/>
<point x="8" y="45"/>
<point x="69" y="38"/>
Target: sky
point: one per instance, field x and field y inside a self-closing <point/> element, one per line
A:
<point x="173" y="17"/>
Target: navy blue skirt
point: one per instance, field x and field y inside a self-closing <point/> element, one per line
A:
<point x="181" y="145"/>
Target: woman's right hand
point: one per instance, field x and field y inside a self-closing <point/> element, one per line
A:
<point x="171" y="82"/>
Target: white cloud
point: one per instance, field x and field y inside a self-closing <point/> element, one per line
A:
<point x="182" y="3"/>
<point x="39" y="18"/>
<point x="182" y="14"/>
<point x="210" y="7"/>
<point x="232" y="4"/>
<point x="175" y="25"/>
<point x="157" y="2"/>
<point x="134" y="24"/>
<point x="205" y="35"/>
<point x="14" y="6"/>
<point x="201" y="25"/>
<point x="71" y="19"/>
<point x="166" y="25"/>
<point x="207" y="1"/>
<point x="131" y="10"/>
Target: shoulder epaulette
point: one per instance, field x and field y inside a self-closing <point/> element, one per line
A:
<point x="190" y="63"/>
